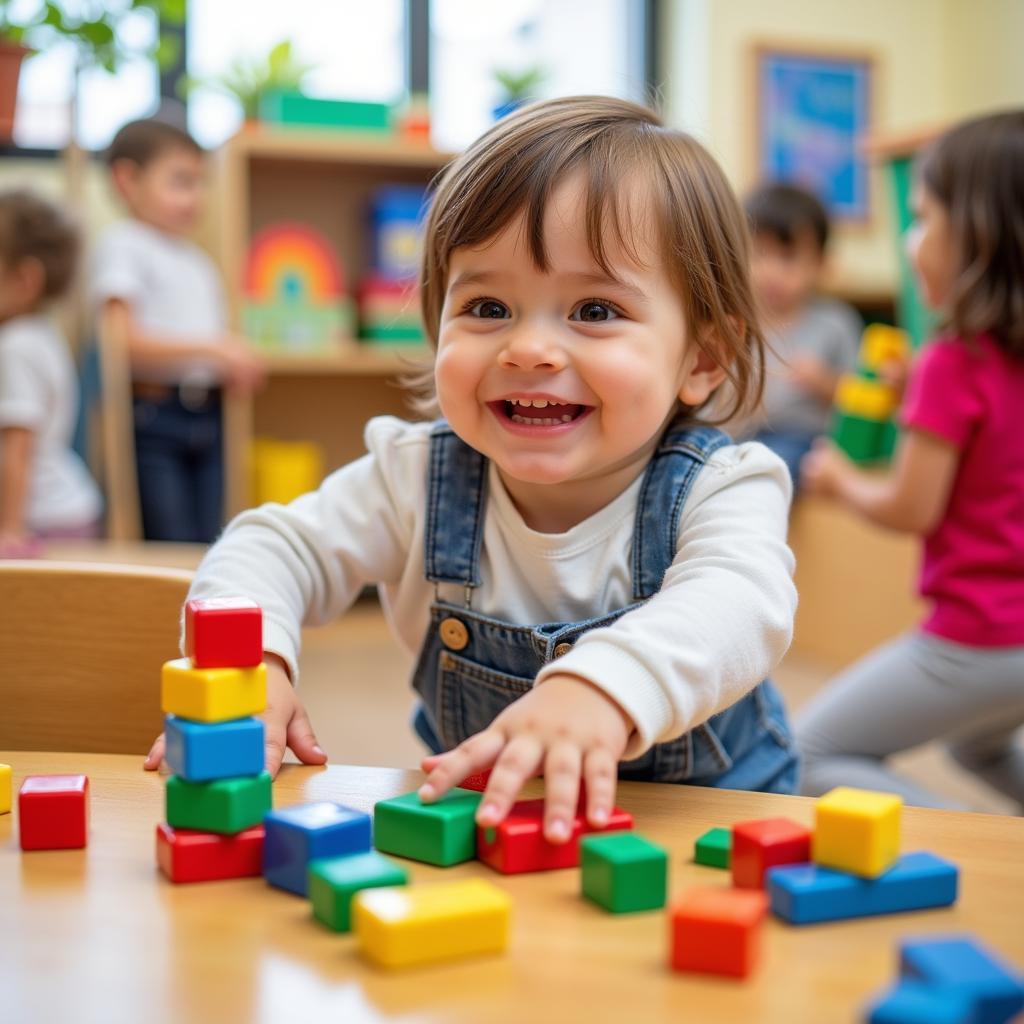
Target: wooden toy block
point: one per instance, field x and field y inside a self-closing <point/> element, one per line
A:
<point x="53" y="812"/>
<point x="910" y="1003"/>
<point x="212" y="694"/>
<point x="441" y="833"/>
<point x="224" y="632"/>
<point x="518" y="845"/>
<point x="809" y="893"/>
<point x="760" y="845"/>
<point x="5" y="788"/>
<point x="623" y="872"/>
<point x="226" y="806"/>
<point x="713" y="849"/>
<point x="856" y="830"/>
<point x="185" y="855"/>
<point x="962" y="966"/>
<point x="298" y="835"/>
<point x="401" y="927"/>
<point x="201" y="752"/>
<point x="333" y="883"/>
<point x="717" y="931"/>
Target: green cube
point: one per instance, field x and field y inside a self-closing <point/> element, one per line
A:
<point x="623" y="872"/>
<point x="226" y="805"/>
<point x="714" y="848"/>
<point x="860" y="438"/>
<point x="441" y="833"/>
<point x="333" y="881"/>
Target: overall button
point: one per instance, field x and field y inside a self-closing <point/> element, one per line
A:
<point x="561" y="649"/>
<point x="454" y="634"/>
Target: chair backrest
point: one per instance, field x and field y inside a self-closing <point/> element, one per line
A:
<point x="81" y="647"/>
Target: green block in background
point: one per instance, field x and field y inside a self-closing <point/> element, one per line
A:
<point x="714" y="848"/>
<point x="226" y="805"/>
<point x="623" y="872"/>
<point x="393" y="332"/>
<point x="334" y="881"/>
<point x="861" y="439"/>
<point x="890" y="438"/>
<point x="441" y="833"/>
<point x="293" y="110"/>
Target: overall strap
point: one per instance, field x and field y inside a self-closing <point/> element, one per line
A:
<point x="669" y="477"/>
<point x="456" y="501"/>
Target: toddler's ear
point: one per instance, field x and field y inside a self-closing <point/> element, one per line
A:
<point x="705" y="368"/>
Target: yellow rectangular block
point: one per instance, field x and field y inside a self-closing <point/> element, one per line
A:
<point x="403" y="926"/>
<point x="5" y="788"/>
<point x="212" y="694"/>
<point x="869" y="399"/>
<point x="857" y="830"/>
<point x="881" y="344"/>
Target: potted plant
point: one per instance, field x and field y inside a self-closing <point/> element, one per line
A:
<point x="517" y="88"/>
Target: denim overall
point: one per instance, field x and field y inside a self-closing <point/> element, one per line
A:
<point x="471" y="666"/>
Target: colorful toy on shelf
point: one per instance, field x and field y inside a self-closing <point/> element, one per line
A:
<point x="441" y="833"/>
<point x="623" y="872"/>
<point x="282" y="470"/>
<point x="296" y="110"/>
<point x="396" y="217"/>
<point x="53" y="812"/>
<point x="714" y="848"/>
<point x="760" y="845"/>
<point x="717" y="931"/>
<point x="389" y="311"/>
<point x="333" y="883"/>
<point x="5" y="788"/>
<point x="295" y="298"/>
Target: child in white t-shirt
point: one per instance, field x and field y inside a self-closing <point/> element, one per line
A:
<point x="45" y="489"/>
<point x="597" y="581"/>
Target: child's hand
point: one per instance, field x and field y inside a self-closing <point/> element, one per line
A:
<point x="285" y="721"/>
<point x="241" y="365"/>
<point x="565" y="728"/>
<point x="823" y="468"/>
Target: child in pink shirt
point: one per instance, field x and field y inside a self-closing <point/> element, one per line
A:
<point x="958" y="481"/>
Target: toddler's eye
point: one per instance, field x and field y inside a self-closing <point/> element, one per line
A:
<point x="592" y="312"/>
<point x="488" y="309"/>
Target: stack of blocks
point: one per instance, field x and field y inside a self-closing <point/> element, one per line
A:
<point x="219" y="792"/>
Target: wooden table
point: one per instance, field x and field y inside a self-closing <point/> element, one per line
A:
<point x="99" y="935"/>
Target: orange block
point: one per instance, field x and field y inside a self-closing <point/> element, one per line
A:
<point x="717" y="931"/>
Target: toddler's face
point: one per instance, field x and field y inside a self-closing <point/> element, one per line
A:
<point x="168" y="191"/>
<point x="930" y="247"/>
<point x="785" y="276"/>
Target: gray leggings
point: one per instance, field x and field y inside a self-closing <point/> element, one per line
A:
<point x="914" y="689"/>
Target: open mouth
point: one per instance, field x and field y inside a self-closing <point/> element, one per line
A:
<point x="538" y="412"/>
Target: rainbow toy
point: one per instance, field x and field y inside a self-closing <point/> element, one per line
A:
<point x="295" y="296"/>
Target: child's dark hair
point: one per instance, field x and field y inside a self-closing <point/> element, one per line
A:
<point x="141" y="142"/>
<point x="976" y="171"/>
<point x="787" y="213"/>
<point x="32" y="228"/>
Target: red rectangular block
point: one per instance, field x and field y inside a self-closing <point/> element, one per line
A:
<point x="716" y="931"/>
<point x="763" y="844"/>
<point x="477" y="782"/>
<point x="518" y="845"/>
<point x="224" y="632"/>
<point x="53" y="812"/>
<point x="185" y="855"/>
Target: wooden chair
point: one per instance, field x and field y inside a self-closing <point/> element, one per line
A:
<point x="81" y="647"/>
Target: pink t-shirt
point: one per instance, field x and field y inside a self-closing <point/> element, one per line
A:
<point x="972" y="395"/>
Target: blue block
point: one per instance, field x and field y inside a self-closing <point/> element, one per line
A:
<point x="297" y="835"/>
<point x="808" y="893"/>
<point x="200" y="752"/>
<point x="913" y="1003"/>
<point x="959" y="964"/>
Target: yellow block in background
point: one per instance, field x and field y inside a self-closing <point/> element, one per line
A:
<point x="868" y="399"/>
<point x="857" y="830"/>
<point x="403" y="926"/>
<point x="282" y="470"/>
<point x="881" y="344"/>
<point x="5" y="788"/>
<point x="212" y="694"/>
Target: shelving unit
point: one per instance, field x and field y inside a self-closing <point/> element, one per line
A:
<point x="325" y="180"/>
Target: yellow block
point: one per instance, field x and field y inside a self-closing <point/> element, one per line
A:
<point x="869" y="399"/>
<point x="282" y="470"/>
<point x="857" y="830"/>
<point x="402" y="926"/>
<point x="5" y="788"/>
<point x="881" y="344"/>
<point x="212" y="694"/>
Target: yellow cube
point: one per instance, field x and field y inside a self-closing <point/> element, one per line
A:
<point x="5" y="788"/>
<point x="403" y="926"/>
<point x="869" y="399"/>
<point x="857" y="830"/>
<point x="212" y="694"/>
<point x="881" y="344"/>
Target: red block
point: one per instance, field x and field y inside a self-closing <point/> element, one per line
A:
<point x="224" y="632"/>
<point x="477" y="782"/>
<point x="185" y="855"/>
<point x="760" y="845"/>
<point x="716" y="931"/>
<point x="518" y="845"/>
<point x="53" y="812"/>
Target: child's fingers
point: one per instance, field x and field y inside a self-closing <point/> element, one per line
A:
<point x="155" y="755"/>
<point x="302" y="741"/>
<point x="599" y="774"/>
<point x="561" y="790"/>
<point x="520" y="760"/>
<point x="450" y="769"/>
<point x="274" y="747"/>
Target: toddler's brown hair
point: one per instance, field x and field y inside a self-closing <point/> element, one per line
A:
<point x="33" y="228"/>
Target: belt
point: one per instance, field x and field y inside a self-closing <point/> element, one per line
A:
<point x="193" y="397"/>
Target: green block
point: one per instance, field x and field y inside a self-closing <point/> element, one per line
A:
<point x="295" y="110"/>
<point x="623" y="872"/>
<point x="333" y="881"/>
<point x="714" y="848"/>
<point x="861" y="439"/>
<point x="441" y="833"/>
<point x="226" y="805"/>
<point x="393" y="332"/>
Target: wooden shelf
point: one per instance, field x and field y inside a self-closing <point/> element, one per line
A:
<point x="355" y="360"/>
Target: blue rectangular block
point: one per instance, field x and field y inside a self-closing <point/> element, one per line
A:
<point x="959" y="964"/>
<point x="296" y="835"/>
<point x="201" y="752"/>
<point x="808" y="893"/>
<point x="913" y="1003"/>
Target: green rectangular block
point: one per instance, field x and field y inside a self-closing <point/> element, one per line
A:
<point x="860" y="438"/>
<point x="226" y="805"/>
<point x="441" y="833"/>
<point x="714" y="848"/>
<point x="623" y="872"/>
<point x="333" y="881"/>
<point x="295" y="110"/>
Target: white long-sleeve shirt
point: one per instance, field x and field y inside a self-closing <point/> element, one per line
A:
<point x="720" y="624"/>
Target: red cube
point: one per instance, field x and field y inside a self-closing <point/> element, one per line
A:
<point x="53" y="812"/>
<point x="518" y="845"/>
<point x="185" y="855"/>
<point x="716" y="931"/>
<point x="767" y="843"/>
<point x="224" y="632"/>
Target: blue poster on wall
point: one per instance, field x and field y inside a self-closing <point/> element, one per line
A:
<point x="813" y="115"/>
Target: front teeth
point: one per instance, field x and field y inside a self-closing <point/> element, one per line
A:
<point x="545" y="422"/>
<point x="537" y="403"/>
